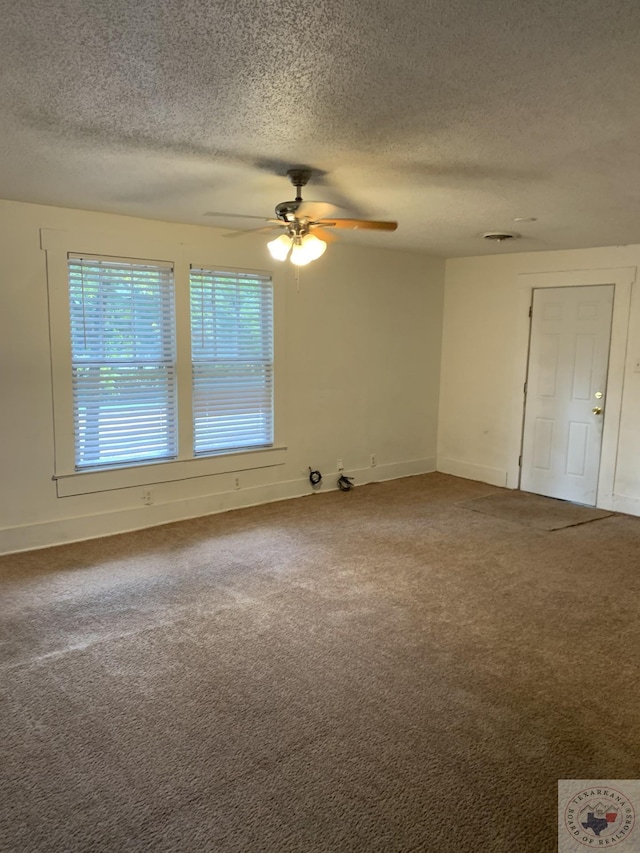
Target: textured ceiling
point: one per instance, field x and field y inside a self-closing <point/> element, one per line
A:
<point x="451" y="116"/>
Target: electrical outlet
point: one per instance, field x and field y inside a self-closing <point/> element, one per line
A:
<point x="147" y="497"/>
<point x="339" y="465"/>
<point x="373" y="460"/>
<point x="237" y="482"/>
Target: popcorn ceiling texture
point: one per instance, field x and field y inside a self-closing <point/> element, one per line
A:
<point x="451" y="117"/>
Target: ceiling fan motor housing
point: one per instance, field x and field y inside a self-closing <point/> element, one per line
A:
<point x="286" y="210"/>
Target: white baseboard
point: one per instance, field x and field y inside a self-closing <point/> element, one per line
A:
<point x="394" y="471"/>
<point x="622" y="503"/>
<point x="493" y="476"/>
<point x="92" y="526"/>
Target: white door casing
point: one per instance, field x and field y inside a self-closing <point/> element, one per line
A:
<point x="566" y="391"/>
<point x="623" y="279"/>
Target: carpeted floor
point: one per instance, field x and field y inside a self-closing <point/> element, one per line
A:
<point x="534" y="510"/>
<point x="379" y="670"/>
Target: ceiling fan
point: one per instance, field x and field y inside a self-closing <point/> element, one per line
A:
<point x="305" y="224"/>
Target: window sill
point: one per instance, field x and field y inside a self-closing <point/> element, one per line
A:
<point x="88" y="482"/>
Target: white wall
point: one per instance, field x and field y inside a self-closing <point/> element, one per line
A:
<point x="362" y="352"/>
<point x="484" y="366"/>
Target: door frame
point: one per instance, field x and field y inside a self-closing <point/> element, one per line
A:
<point x="622" y="279"/>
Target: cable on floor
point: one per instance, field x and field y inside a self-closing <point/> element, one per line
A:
<point x="315" y="477"/>
<point x="345" y="484"/>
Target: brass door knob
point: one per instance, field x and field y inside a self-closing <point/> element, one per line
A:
<point x="597" y="410"/>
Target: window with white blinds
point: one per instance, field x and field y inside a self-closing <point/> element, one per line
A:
<point x="232" y="354"/>
<point x="123" y="361"/>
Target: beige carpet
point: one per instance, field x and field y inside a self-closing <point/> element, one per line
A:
<point x="534" y="510"/>
<point x="379" y="670"/>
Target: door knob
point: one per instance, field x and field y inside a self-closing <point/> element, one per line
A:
<point x="597" y="410"/>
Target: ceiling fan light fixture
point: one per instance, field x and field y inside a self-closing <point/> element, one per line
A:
<point x="298" y="255"/>
<point x="280" y="247"/>
<point x="307" y="249"/>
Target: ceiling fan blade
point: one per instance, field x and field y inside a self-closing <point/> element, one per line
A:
<point x="315" y="210"/>
<point x="264" y="229"/>
<point x="359" y="223"/>
<point x="337" y="194"/>
<point x="322" y="234"/>
<point x="236" y="216"/>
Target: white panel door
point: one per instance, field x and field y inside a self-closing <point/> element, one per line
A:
<point x="566" y="386"/>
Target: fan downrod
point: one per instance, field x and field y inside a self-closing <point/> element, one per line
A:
<point x="286" y="210"/>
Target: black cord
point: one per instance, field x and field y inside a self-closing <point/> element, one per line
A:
<point x="315" y="477"/>
<point x="345" y="484"/>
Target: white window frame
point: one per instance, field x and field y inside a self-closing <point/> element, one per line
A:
<point x="58" y="245"/>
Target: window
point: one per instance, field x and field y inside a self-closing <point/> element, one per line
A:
<point x="164" y="363"/>
<point x="122" y="361"/>
<point x="232" y="354"/>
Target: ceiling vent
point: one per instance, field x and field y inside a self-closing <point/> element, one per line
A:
<point x="500" y="236"/>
